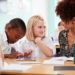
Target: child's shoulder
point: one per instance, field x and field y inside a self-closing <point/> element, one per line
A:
<point x="26" y="41"/>
<point x="3" y="36"/>
<point x="48" y="38"/>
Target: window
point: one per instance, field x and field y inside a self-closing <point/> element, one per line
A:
<point x="3" y="6"/>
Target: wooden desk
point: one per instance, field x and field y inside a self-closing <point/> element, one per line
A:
<point x="57" y="46"/>
<point x="41" y="69"/>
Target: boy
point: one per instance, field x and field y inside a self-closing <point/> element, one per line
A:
<point x="14" y="31"/>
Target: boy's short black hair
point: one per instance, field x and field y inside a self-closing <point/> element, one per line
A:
<point x="17" y="23"/>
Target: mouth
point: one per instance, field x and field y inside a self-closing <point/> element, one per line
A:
<point x="41" y="32"/>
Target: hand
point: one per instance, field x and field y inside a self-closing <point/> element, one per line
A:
<point x="19" y="55"/>
<point x="14" y="55"/>
<point x="37" y="39"/>
<point x="9" y="56"/>
<point x="27" y="53"/>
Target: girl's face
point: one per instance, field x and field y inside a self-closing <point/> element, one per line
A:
<point x="39" y="29"/>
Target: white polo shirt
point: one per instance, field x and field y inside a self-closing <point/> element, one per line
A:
<point x="36" y="51"/>
<point x="4" y="44"/>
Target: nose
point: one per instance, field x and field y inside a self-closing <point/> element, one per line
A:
<point x="42" y="29"/>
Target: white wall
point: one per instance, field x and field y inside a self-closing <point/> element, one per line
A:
<point x="40" y="7"/>
<point x="57" y="19"/>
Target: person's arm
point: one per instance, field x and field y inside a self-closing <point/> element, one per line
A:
<point x="14" y="55"/>
<point x="45" y="49"/>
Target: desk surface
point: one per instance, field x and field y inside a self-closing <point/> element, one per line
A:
<point x="40" y="69"/>
<point x="57" y="46"/>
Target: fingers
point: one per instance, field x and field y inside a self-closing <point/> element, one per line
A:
<point x="27" y="53"/>
<point x="38" y="39"/>
<point x="14" y="55"/>
<point x="19" y="55"/>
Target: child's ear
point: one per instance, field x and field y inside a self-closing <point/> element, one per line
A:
<point x="9" y="28"/>
<point x="73" y="20"/>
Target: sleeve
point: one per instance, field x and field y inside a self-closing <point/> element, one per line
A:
<point x="50" y="44"/>
<point x="17" y="46"/>
<point x="24" y="46"/>
<point x="5" y="46"/>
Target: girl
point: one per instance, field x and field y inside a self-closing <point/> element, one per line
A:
<point x="36" y="43"/>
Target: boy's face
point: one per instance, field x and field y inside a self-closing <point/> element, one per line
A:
<point x="15" y="34"/>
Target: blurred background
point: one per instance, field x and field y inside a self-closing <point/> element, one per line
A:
<point x="24" y="9"/>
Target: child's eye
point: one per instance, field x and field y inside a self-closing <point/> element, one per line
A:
<point x="44" y="26"/>
<point x="39" y="27"/>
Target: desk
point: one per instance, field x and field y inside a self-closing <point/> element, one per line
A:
<point x="40" y="69"/>
<point x="57" y="46"/>
<point x="57" y="50"/>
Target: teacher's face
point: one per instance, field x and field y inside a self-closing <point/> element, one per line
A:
<point x="69" y="25"/>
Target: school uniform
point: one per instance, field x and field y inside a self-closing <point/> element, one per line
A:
<point x="36" y="50"/>
<point x="5" y="46"/>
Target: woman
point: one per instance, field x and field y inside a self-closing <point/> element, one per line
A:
<point x="66" y="10"/>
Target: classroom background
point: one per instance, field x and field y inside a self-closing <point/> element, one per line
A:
<point x="24" y="9"/>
